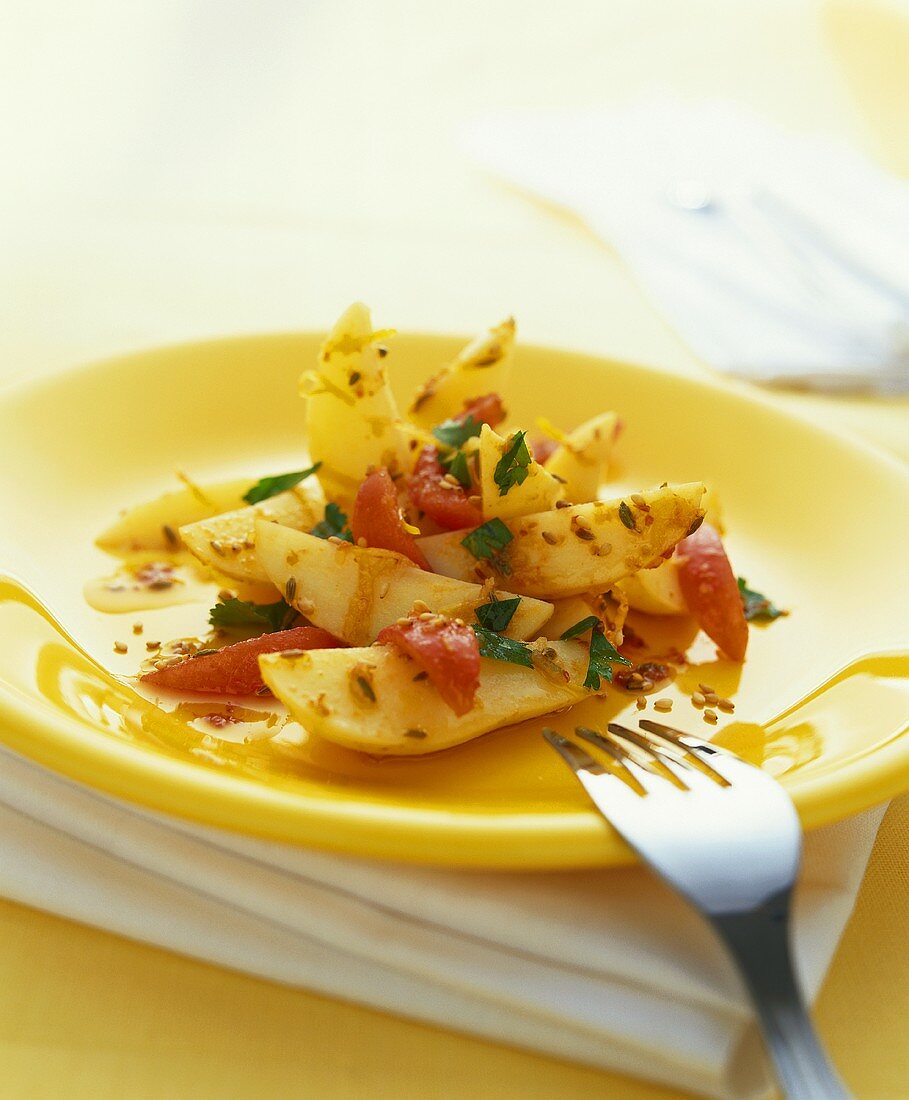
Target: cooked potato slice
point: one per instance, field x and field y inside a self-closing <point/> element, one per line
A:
<point x="228" y="542"/>
<point x="367" y="699"/>
<point x="584" y="548"/>
<point x="655" y="591"/>
<point x="538" y="492"/>
<point x="582" y="457"/>
<point x="353" y="592"/>
<point x="351" y="416"/>
<point x="154" y="526"/>
<point x="570" y="610"/>
<point x="482" y="367"/>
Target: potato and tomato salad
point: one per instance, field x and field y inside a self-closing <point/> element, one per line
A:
<point x="438" y="573"/>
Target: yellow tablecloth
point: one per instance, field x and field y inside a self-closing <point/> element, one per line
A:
<point x="381" y="207"/>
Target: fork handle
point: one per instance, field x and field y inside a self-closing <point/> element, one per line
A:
<point x="759" y="943"/>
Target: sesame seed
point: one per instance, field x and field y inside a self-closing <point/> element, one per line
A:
<point x="711" y="717"/>
<point x="663" y="705"/>
<point x="152" y="645"/>
<point x="726" y="705"/>
<point x="426" y="616"/>
<point x="402" y="622"/>
<point x="706" y="688"/>
<point x="335" y="541"/>
<point x="564" y="504"/>
<point x="711" y="698"/>
<point x="640" y="702"/>
<point x="121" y="647"/>
<point x="549" y="538"/>
<point x="137" y="628"/>
<point x="361" y="541"/>
<point x="475" y="501"/>
<point x="419" y="607"/>
<point x="306" y="607"/>
<point x="697" y="698"/>
<point x="647" y="685"/>
<point x="637" y="499"/>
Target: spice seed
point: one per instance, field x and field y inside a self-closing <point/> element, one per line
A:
<point x="697" y="698"/>
<point x="137" y="628"/>
<point x="706" y="688"/>
<point x="663" y="705"/>
<point x="121" y="647"/>
<point x="640" y="702"/>
<point x="726" y="705"/>
<point x="711" y="716"/>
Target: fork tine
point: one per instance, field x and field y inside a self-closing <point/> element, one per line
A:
<point x="694" y="747"/>
<point x="654" y="760"/>
<point x="573" y="755"/>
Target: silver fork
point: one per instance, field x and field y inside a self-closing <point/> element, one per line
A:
<point x="726" y="836"/>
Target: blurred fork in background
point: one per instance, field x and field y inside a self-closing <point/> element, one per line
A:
<point x="726" y="836"/>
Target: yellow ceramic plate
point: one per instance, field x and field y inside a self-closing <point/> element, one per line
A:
<point x="819" y="523"/>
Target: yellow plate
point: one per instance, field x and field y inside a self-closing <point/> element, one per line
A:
<point x="819" y="523"/>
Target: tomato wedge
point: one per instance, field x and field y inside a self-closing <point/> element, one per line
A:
<point x="711" y="591"/>
<point x="234" y="670"/>
<point x="543" y="449"/>
<point x="487" y="409"/>
<point x="377" y="518"/>
<point x="447" y="651"/>
<point x="446" y="504"/>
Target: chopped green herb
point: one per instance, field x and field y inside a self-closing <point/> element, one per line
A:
<point x="240" y="613"/>
<point x="488" y="540"/>
<point x="627" y="517"/>
<point x="603" y="655"/>
<point x="497" y="614"/>
<point x="513" y="467"/>
<point x="334" y="524"/>
<point x="757" y="607"/>
<point x="502" y="649"/>
<point x="590" y="623"/>
<point x="457" y="466"/>
<point x="455" y="433"/>
<point x="270" y="486"/>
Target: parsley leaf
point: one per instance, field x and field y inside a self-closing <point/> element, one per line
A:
<point x="240" y="613"/>
<point x="590" y="623"/>
<point x="603" y="655"/>
<point x="488" y="541"/>
<point x="502" y="649"/>
<point x="497" y="614"/>
<point x="456" y="465"/>
<point x="513" y="467"/>
<point x="334" y="524"/>
<point x="455" y="433"/>
<point x="757" y="607"/>
<point x="269" y="486"/>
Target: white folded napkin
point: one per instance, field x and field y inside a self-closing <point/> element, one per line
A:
<point x="777" y="256"/>
<point x="602" y="967"/>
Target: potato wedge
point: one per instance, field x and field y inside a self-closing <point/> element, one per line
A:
<point x="655" y="591"/>
<point x="582" y="458"/>
<point x="538" y="492"/>
<point x="570" y="610"/>
<point x="353" y="592"/>
<point x="367" y="699"/>
<point x="584" y="548"/>
<point x="227" y="542"/>
<point x="154" y="525"/>
<point x="482" y="367"/>
<point x="351" y="415"/>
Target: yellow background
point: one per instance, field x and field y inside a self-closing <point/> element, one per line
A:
<point x="431" y="244"/>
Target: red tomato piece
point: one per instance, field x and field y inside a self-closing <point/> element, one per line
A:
<point x="448" y="652"/>
<point x="487" y="409"/>
<point x="711" y="592"/>
<point x="234" y="670"/>
<point x="542" y="449"/>
<point x="446" y="504"/>
<point x="377" y="518"/>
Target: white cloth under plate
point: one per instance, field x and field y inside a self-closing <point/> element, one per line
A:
<point x="602" y="967"/>
<point x="777" y="256"/>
